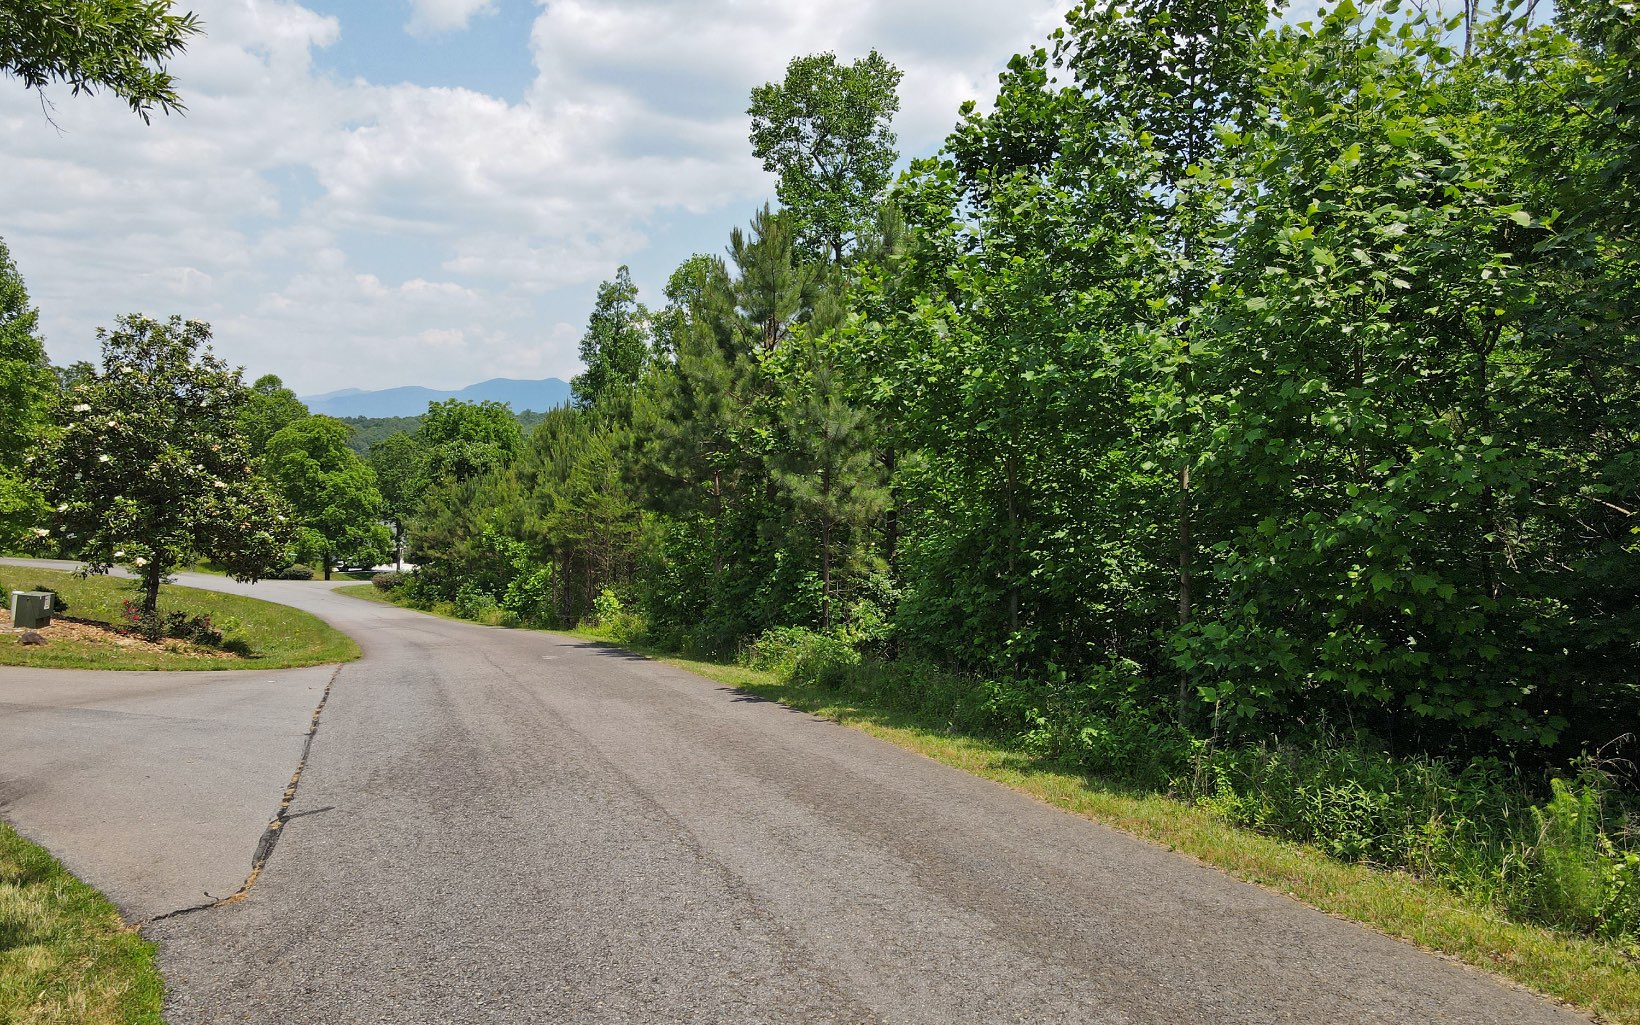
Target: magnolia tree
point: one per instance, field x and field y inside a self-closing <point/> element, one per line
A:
<point x="149" y="467"/>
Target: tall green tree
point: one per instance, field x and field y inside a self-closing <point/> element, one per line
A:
<point x="1178" y="79"/>
<point x="400" y="465"/>
<point x="615" y="348"/>
<point x="148" y="466"/>
<point x="26" y="385"/>
<point x="828" y="467"/>
<point x="117" y="45"/>
<point x="272" y="408"/>
<point x="826" y="131"/>
<point x="467" y="440"/>
<point x="332" y="492"/>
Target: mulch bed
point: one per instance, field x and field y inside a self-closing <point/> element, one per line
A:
<point x="90" y="631"/>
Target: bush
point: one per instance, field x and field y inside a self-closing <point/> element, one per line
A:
<point x="390" y="581"/>
<point x="611" y="615"/>
<point x="1571" y="862"/>
<point x="1575" y="874"/>
<point x="295" y="571"/>
<point x="528" y="598"/>
<point x="472" y="603"/>
<point x="802" y="656"/>
<point x="193" y="629"/>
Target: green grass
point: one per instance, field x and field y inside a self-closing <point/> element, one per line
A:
<point x="277" y="636"/>
<point x="369" y="592"/>
<point x="66" y="958"/>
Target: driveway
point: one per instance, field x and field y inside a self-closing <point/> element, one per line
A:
<point x="503" y="826"/>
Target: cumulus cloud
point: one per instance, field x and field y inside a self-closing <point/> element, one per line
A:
<point x="430" y="17"/>
<point x="344" y="232"/>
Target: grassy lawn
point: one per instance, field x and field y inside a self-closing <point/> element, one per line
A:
<point x="277" y="636"/>
<point x="369" y="592"/>
<point x="66" y="958"/>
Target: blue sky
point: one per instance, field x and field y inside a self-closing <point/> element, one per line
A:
<point x="374" y="194"/>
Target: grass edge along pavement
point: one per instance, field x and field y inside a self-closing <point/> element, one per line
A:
<point x="279" y="636"/>
<point x="66" y="956"/>
<point x="1591" y="976"/>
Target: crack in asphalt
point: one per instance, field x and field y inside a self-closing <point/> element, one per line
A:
<point x="270" y="836"/>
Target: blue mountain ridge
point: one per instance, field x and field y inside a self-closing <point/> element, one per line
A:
<point x="412" y="401"/>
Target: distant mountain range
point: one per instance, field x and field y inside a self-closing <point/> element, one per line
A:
<point x="520" y="395"/>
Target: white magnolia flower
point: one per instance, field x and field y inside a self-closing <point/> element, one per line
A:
<point x="41" y="532"/>
<point x="141" y="562"/>
<point x="103" y="458"/>
<point x="119" y="555"/>
<point x="82" y="408"/>
<point x="63" y="507"/>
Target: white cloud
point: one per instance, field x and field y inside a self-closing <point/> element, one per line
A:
<point x="348" y="233"/>
<point x="430" y="17"/>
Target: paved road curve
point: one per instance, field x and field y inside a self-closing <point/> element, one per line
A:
<point x="501" y="826"/>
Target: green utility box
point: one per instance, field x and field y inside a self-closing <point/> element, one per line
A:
<point x="30" y="610"/>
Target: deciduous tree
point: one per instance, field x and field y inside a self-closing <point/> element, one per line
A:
<point x="826" y="131"/>
<point x="148" y="466"/>
<point x="118" y="45"/>
<point x="26" y="385"/>
<point x="331" y="491"/>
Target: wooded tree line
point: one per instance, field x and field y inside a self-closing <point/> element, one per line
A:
<point x="1252" y="374"/>
<point x="1249" y="375"/>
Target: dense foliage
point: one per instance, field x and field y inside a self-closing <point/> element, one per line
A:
<point x="147" y="466"/>
<point x="26" y="387"/>
<point x="1242" y="406"/>
<point x="331" y="492"/>
<point x="1225" y="380"/>
<point x="117" y="45"/>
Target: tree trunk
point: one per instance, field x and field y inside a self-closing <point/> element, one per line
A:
<point x="1013" y="550"/>
<point x="825" y="572"/>
<point x="151" y="578"/>
<point x="717" y="525"/>
<point x="891" y="518"/>
<point x="327" y="567"/>
<point x="1186" y="597"/>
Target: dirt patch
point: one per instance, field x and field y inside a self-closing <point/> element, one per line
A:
<point x="89" y="632"/>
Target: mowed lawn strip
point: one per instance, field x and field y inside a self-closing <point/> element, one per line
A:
<point x="277" y="636"/>
<point x="66" y="958"/>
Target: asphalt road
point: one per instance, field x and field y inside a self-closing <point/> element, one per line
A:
<point x="499" y="826"/>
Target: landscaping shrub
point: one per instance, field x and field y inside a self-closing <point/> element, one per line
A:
<point x="391" y="581"/>
<point x="193" y="629"/>
<point x="295" y="571"/>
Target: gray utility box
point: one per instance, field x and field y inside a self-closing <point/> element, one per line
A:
<point x="30" y="610"/>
